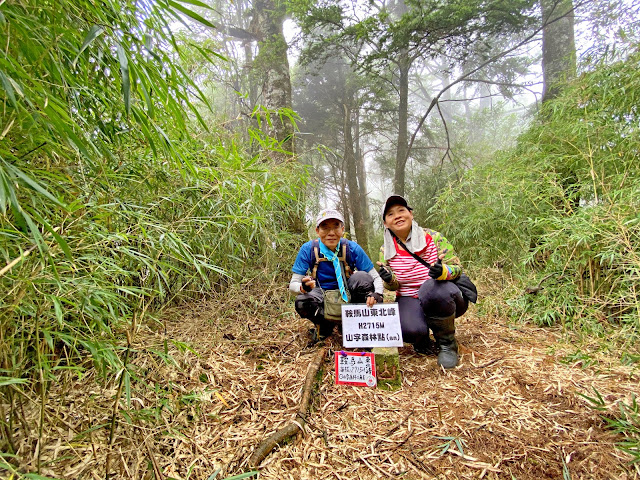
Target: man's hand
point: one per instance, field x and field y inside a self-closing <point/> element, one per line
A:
<point x="374" y="298"/>
<point x="308" y="284"/>
<point x="385" y="273"/>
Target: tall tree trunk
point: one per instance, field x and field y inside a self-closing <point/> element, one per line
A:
<point x="344" y="197"/>
<point x="559" y="64"/>
<point x="558" y="45"/>
<point x="404" y="63"/>
<point x="247" y="45"/>
<point x="362" y="175"/>
<point x="272" y="63"/>
<point x="399" y="8"/>
<point x="266" y="25"/>
<point x="352" y="181"/>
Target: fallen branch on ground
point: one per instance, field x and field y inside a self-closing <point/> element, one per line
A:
<point x="390" y="432"/>
<point x="297" y="424"/>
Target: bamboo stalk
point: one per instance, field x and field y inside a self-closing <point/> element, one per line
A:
<point x="114" y="411"/>
<point x="137" y="318"/>
<point x="16" y="260"/>
<point x="24" y="255"/>
<point x="42" y="396"/>
<point x="8" y="427"/>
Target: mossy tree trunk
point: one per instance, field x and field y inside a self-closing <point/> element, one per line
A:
<point x="356" y="190"/>
<point x="402" y="147"/>
<point x="273" y="64"/>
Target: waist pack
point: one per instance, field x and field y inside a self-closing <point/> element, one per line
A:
<point x="333" y="305"/>
<point x="466" y="286"/>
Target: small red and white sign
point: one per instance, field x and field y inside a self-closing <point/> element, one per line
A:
<point x="355" y="368"/>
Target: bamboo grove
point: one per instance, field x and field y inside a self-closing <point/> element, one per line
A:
<point x="110" y="206"/>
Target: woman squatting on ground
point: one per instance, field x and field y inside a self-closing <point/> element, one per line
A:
<point x="421" y="267"/>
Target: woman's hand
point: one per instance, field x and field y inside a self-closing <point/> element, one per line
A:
<point x="435" y="271"/>
<point x="308" y="284"/>
<point x="385" y="273"/>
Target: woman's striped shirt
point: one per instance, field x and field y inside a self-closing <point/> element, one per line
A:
<point x="410" y="273"/>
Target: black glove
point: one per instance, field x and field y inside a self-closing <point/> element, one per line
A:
<point x="306" y="287"/>
<point x="385" y="274"/>
<point x="377" y="296"/>
<point x="436" y="269"/>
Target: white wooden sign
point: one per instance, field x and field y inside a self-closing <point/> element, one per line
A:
<point x="377" y="326"/>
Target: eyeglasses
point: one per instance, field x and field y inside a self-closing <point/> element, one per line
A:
<point x="327" y="228"/>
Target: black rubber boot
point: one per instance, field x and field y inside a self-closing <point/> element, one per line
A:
<point x="444" y="332"/>
<point x="425" y="346"/>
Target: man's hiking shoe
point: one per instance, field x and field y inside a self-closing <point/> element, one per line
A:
<point x="312" y="336"/>
<point x="325" y="330"/>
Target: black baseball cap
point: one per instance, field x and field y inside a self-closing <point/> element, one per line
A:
<point x="394" y="200"/>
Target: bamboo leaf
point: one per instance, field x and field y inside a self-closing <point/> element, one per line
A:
<point x="93" y="33"/>
<point x="58" y="310"/>
<point x="191" y="14"/>
<point x="8" y="88"/>
<point x="16" y="86"/>
<point x="126" y="82"/>
<point x="206" y="52"/>
<point x="62" y="243"/>
<point x="214" y="474"/>
<point x="197" y="3"/>
<point x="4" y="381"/>
<point x="243" y="475"/>
<point x="33" y="184"/>
<point x="36" y="476"/>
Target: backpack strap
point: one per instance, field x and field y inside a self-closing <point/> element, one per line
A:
<point x="315" y="247"/>
<point x="344" y="256"/>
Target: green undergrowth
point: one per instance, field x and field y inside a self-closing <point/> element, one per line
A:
<point x="111" y="207"/>
<point x="558" y="214"/>
<point x="623" y="419"/>
<point x="585" y="341"/>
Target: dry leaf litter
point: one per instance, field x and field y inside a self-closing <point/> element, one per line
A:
<point x="510" y="410"/>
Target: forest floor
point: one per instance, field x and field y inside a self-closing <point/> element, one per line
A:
<point x="512" y="409"/>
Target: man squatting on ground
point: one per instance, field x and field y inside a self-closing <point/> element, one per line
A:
<point x="311" y="278"/>
<point x="426" y="295"/>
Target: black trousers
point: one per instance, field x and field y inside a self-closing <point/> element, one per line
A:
<point x="437" y="299"/>
<point x="311" y="305"/>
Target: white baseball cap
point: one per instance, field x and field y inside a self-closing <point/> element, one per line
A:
<point x="328" y="213"/>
